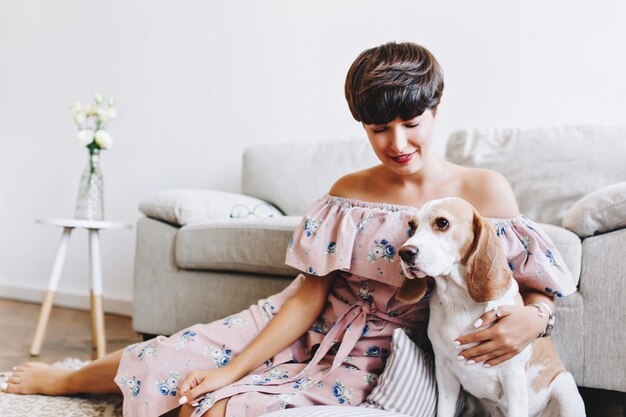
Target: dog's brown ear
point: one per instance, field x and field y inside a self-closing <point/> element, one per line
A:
<point x="411" y="290"/>
<point x="488" y="271"/>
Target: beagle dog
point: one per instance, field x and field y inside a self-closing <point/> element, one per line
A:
<point x="451" y="243"/>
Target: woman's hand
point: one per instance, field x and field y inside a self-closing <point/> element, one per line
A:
<point x="201" y="382"/>
<point x="516" y="327"/>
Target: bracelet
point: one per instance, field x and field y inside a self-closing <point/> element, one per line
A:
<point x="551" y="317"/>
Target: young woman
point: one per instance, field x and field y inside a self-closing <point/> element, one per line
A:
<point x="325" y="338"/>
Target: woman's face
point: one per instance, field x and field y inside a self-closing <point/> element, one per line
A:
<point x="402" y="145"/>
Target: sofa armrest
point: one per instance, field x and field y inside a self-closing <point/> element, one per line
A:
<point x="602" y="211"/>
<point x="181" y="207"/>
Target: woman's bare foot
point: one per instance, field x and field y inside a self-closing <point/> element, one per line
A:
<point x="38" y="378"/>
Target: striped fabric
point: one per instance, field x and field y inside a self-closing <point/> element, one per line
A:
<point x="407" y="385"/>
<point x="332" y="411"/>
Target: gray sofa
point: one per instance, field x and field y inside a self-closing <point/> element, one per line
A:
<point x="196" y="264"/>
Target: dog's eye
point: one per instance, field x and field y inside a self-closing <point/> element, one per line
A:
<point x="413" y="225"/>
<point x="442" y="223"/>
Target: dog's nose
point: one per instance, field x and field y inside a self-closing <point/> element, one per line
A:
<point x="408" y="253"/>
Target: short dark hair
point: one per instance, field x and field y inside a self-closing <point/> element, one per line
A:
<point x="393" y="80"/>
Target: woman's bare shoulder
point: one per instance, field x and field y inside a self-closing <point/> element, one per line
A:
<point x="354" y="185"/>
<point x="490" y="192"/>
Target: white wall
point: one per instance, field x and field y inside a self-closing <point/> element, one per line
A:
<point x="198" y="81"/>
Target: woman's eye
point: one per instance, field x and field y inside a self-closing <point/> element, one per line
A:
<point x="413" y="125"/>
<point x="379" y="130"/>
<point x="442" y="223"/>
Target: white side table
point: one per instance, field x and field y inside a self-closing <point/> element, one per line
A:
<point x="97" y="315"/>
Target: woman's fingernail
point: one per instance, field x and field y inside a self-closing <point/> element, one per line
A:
<point x="478" y="322"/>
<point x="182" y="400"/>
<point x="461" y="358"/>
<point x="486" y="365"/>
<point x="456" y="343"/>
<point x="471" y="362"/>
<point x="194" y="404"/>
<point x="4" y="386"/>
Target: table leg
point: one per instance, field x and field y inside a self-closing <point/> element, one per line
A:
<point x="46" y="306"/>
<point x="97" y="313"/>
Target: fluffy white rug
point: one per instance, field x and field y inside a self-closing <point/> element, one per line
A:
<point x="13" y="405"/>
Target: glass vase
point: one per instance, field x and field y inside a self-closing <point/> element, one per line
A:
<point x="90" y="202"/>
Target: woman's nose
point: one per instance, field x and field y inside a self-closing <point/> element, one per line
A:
<point x="398" y="140"/>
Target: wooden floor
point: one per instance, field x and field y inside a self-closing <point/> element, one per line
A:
<point x="69" y="335"/>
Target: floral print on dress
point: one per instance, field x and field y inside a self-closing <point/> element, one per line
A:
<point x="551" y="259"/>
<point x="132" y="384"/>
<point x="342" y="394"/>
<point x="366" y="293"/>
<point x="184" y="338"/>
<point x="383" y="250"/>
<point x="169" y="386"/>
<point x="311" y="226"/>
<point x="371" y="379"/>
<point x="376" y="352"/>
<point x="235" y="321"/>
<point x="331" y="248"/>
<point x="220" y="356"/>
<point x="268" y="311"/>
<point x="147" y="352"/>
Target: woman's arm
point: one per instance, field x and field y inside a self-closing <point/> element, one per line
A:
<point x="293" y="319"/>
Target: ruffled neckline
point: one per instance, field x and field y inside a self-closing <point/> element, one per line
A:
<point x="354" y="202"/>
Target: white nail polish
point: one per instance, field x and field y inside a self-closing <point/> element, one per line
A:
<point x="194" y="404"/>
<point x="456" y="343"/>
<point x="486" y="365"/>
<point x="471" y="362"/>
<point x="4" y="386"/>
<point x="182" y="400"/>
<point x="461" y="358"/>
<point x="478" y="322"/>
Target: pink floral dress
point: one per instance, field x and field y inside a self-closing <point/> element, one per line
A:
<point x="339" y="359"/>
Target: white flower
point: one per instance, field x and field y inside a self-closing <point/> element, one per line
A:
<point x="79" y="117"/>
<point x="89" y="109"/>
<point x="112" y="113"/>
<point x="85" y="137"/>
<point x="98" y="98"/>
<point x="103" y="114"/>
<point x="103" y="139"/>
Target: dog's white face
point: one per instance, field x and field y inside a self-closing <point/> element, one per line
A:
<point x="442" y="234"/>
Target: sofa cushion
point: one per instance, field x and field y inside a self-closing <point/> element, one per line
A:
<point x="569" y="245"/>
<point x="182" y="207"/>
<point x="250" y="244"/>
<point x="549" y="168"/>
<point x="599" y="212"/>
<point x="306" y="170"/>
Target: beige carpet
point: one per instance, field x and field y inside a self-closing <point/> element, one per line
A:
<point x="13" y="405"/>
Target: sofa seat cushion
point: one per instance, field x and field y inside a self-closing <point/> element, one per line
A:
<point x="250" y="244"/>
<point x="569" y="245"/>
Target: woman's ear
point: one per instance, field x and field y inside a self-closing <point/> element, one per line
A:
<point x="487" y="270"/>
<point x="411" y="290"/>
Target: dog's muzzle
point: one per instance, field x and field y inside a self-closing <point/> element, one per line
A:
<point x="408" y="254"/>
